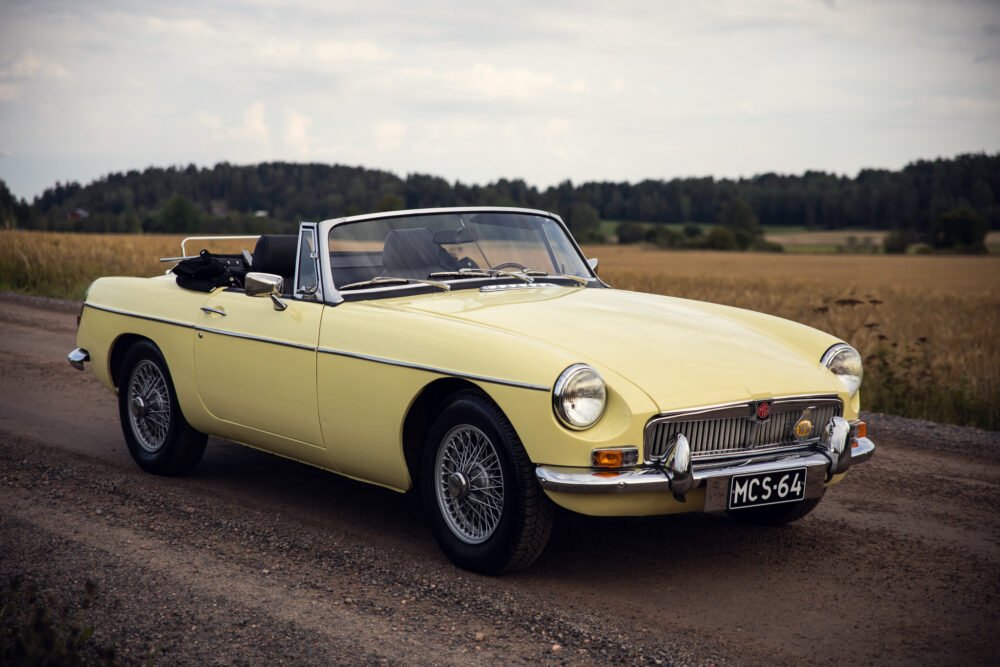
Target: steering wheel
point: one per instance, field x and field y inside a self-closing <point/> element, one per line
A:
<point x="511" y="265"/>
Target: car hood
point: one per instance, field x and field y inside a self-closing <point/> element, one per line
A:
<point x="681" y="353"/>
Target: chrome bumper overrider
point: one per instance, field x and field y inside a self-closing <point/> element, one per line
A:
<point x="77" y="358"/>
<point x="676" y="473"/>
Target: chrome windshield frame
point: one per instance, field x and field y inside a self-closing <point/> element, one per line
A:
<point x="332" y="296"/>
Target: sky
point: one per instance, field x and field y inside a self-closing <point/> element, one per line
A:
<point x="545" y="90"/>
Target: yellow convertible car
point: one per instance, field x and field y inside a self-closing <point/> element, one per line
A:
<point x="474" y="355"/>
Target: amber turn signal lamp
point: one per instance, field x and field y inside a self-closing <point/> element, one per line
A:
<point x="859" y="429"/>
<point x="615" y="457"/>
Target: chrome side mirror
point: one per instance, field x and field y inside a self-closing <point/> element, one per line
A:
<point x="265" y="285"/>
<point x="593" y="262"/>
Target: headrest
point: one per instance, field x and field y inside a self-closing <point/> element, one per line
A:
<point x="275" y="253"/>
<point x="410" y="249"/>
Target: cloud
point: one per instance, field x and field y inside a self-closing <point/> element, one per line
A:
<point x="322" y="55"/>
<point x="547" y="91"/>
<point x="488" y="82"/>
<point x="389" y="135"/>
<point x="253" y="129"/>
<point x="187" y="28"/>
<point x="28" y="65"/>
<point x="297" y="134"/>
<point x="254" y="126"/>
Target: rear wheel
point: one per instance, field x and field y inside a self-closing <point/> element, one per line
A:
<point x="486" y="509"/>
<point x="776" y="515"/>
<point x="158" y="437"/>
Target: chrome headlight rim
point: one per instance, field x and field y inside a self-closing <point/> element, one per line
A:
<point x="565" y="381"/>
<point x="846" y="379"/>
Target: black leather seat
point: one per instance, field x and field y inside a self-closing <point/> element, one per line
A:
<point x="275" y="253"/>
<point x="412" y="253"/>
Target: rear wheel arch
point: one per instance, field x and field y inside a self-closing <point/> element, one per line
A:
<point x="119" y="350"/>
<point x="159" y="438"/>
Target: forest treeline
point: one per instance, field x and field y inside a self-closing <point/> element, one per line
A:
<point x="274" y="196"/>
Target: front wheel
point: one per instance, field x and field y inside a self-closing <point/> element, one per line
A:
<point x="158" y="437"/>
<point x="486" y="509"/>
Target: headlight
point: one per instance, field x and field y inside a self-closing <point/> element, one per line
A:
<point x="579" y="396"/>
<point x="845" y="362"/>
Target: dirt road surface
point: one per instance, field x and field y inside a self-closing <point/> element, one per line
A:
<point x="254" y="559"/>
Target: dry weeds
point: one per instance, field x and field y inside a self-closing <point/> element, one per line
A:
<point x="926" y="324"/>
<point x="63" y="265"/>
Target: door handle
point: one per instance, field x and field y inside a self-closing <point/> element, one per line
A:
<point x="216" y="311"/>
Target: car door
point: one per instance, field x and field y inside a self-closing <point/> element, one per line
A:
<point x="255" y="368"/>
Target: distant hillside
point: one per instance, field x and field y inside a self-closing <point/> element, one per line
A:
<point x="276" y="195"/>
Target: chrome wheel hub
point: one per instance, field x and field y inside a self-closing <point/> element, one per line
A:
<point x="458" y="485"/>
<point x="469" y="484"/>
<point x="149" y="405"/>
<point x="138" y="407"/>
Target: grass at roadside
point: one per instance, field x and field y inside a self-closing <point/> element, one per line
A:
<point x="63" y="265"/>
<point x="925" y="324"/>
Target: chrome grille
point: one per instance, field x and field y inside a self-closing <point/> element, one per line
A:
<point x="734" y="429"/>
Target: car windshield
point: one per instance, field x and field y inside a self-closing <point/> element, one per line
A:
<point x="451" y="246"/>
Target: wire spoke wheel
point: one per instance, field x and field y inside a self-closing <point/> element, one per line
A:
<point x="148" y="400"/>
<point x="469" y="484"/>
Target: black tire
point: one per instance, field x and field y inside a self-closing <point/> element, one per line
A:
<point x="776" y="515"/>
<point x="158" y="437"/>
<point x="517" y="529"/>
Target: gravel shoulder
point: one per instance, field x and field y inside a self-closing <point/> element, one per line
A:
<point x="254" y="559"/>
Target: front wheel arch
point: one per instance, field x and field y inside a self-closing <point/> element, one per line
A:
<point x="424" y="409"/>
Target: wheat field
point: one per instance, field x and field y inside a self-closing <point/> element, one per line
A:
<point x="926" y="325"/>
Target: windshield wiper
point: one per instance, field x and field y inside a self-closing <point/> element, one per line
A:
<point x="480" y="273"/>
<point x="392" y="280"/>
<point x="544" y="274"/>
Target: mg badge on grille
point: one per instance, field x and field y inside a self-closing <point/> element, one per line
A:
<point x="763" y="410"/>
<point x="804" y="426"/>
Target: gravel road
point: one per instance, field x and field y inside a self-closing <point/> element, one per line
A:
<point x="256" y="560"/>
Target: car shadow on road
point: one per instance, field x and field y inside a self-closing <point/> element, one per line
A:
<point x="579" y="543"/>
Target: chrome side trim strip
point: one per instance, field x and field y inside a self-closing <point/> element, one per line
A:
<point x="258" y="339"/>
<point x="324" y="350"/>
<point x="161" y="320"/>
<point x="431" y="369"/>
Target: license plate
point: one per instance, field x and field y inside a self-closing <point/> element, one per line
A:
<point x="767" y="488"/>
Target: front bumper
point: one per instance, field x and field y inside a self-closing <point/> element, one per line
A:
<point x="677" y="474"/>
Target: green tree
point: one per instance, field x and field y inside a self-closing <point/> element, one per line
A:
<point x="692" y="230"/>
<point x="584" y="221"/>
<point x="629" y="232"/>
<point x="961" y="230"/>
<point x="179" y="216"/>
<point x="664" y="237"/>
<point x="721" y="238"/>
<point x="390" y="202"/>
<point x="896" y="242"/>
<point x="739" y="220"/>
<point x="8" y="205"/>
